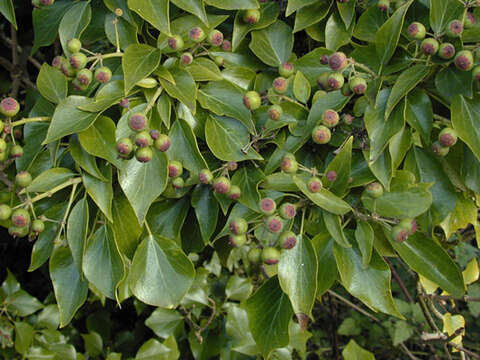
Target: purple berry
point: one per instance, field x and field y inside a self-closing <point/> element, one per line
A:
<point x="162" y="143"/>
<point x="238" y="226"/>
<point x="274" y="224"/>
<point x="314" y="184"/>
<point x="221" y="185"/>
<point x="287" y="240"/>
<point x="175" y="168"/>
<point x="205" y="176"/>
<point x="137" y="122"/>
<point x="338" y="61"/>
<point x="448" y="137"/>
<point x="9" y="107"/>
<point x="287" y="211"/>
<point x="215" y="38"/>
<point x="267" y="206"/>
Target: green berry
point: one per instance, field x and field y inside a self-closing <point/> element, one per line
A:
<point x="330" y="118"/>
<point x="38" y="226"/>
<point x="358" y="85"/>
<point x="275" y="112"/>
<point x="251" y="16"/>
<point x="321" y="135"/>
<point x="254" y="255"/>
<point x="74" y="45"/>
<point x="346" y="91"/>
<point x="338" y="61"/>
<point x="274" y="224"/>
<point x="234" y="193"/>
<point x="175" y="168"/>
<point x="178" y="183"/>
<point x="252" y="100"/>
<point x="84" y="77"/>
<point x="374" y="190"/>
<point x="219" y="60"/>
<point x="400" y="233"/>
<point x="439" y="149"/>
<point x="221" y="185"/>
<point x="446" y="51"/>
<point x="237" y="240"/>
<point x="205" y="176"/>
<point x="280" y="85"/>
<point x="430" y="46"/>
<point x="103" y="74"/>
<point x="267" y="206"/>
<point x="409" y="224"/>
<point x="314" y="184"/>
<point x="162" y="143"/>
<point x="5" y="212"/>
<point x="144" y="155"/>
<point x="143" y="139"/>
<point x="238" y="226"/>
<point x="270" y="255"/>
<point x="383" y="5"/>
<point x="16" y="151"/>
<point x="287" y="240"/>
<point x="286" y="69"/>
<point x="289" y="164"/>
<point x="124" y="147"/>
<point x="215" y="38"/>
<point x="196" y="34"/>
<point x="17" y="232"/>
<point x="464" y="60"/>
<point x="23" y="179"/>
<point x="78" y="60"/>
<point x="448" y="137"/>
<point x="186" y="58"/>
<point x="20" y="218"/>
<point x="322" y="80"/>
<point x="175" y="42"/>
<point x="287" y="211"/>
<point x="67" y="69"/>
<point x="417" y="31"/>
<point x="9" y="107"/>
<point x="454" y="28"/>
<point x="470" y="21"/>
<point x="137" y="122"/>
<point x="335" y="81"/>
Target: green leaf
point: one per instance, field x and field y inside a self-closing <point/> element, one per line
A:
<point x="52" y="84"/>
<point x="238" y="331"/>
<point x="301" y="87"/>
<point x="294" y="5"/>
<point x="238" y="288"/>
<point x="273" y="45"/>
<point x="466" y="121"/>
<point x="353" y="351"/>
<point x="311" y="14"/>
<point x="430" y="260"/>
<point x="234" y="4"/>
<point x="248" y="179"/>
<point x="47" y="180"/>
<point x="297" y="273"/>
<point x="161" y="273"/>
<point x="226" y="137"/>
<point x="93" y="343"/>
<point x="69" y="286"/>
<point x="184" y="89"/>
<point x="77" y="227"/>
<point x="127" y="33"/>
<point x="7" y="10"/>
<point x="163" y="321"/>
<point x="125" y="225"/>
<point x="74" y="23"/>
<point x="405" y="83"/>
<point x="347" y="11"/>
<point x="451" y="82"/>
<point x="334" y="227"/>
<point x="142" y="183"/>
<point x="371" y="285"/>
<point x="364" y="236"/>
<point x="203" y="69"/>
<point x="166" y="218"/>
<point x="102" y="249"/>
<point x="269" y="313"/>
<point x="336" y="34"/>
<point x="153" y="11"/>
<point x="444" y="11"/>
<point x="195" y="7"/>
<point x="101" y="191"/>
<point x="164" y="108"/>
<point x="206" y="210"/>
<point x="83" y="159"/>
<point x="341" y="164"/>
<point x="369" y="23"/>
<point x="419" y="113"/>
<point x="224" y="98"/>
<point x="23" y="335"/>
<point x="139" y="61"/>
<point x="154" y="350"/>
<point x="46" y="21"/>
<point x="388" y="35"/>
<point x="108" y="95"/>
<point x="324" y="198"/>
<point x="402" y="332"/>
<point x="327" y="269"/>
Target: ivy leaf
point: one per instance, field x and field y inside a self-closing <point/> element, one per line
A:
<point x="327" y="269"/>
<point x="353" y="351"/>
<point x="184" y="90"/>
<point x="333" y="224"/>
<point x="101" y="191"/>
<point x="206" y="210"/>
<point x="248" y="178"/>
<point x="301" y="87"/>
<point x="139" y="61"/>
<point x="444" y="11"/>
<point x="273" y="45"/>
<point x="7" y="10"/>
<point x="195" y="7"/>
<point x="74" y="23"/>
<point x="310" y="15"/>
<point x="466" y="121"/>
<point x="52" y="84"/>
<point x="153" y="11"/>
<point x="336" y="34"/>
<point x="364" y="236"/>
<point x="163" y="321"/>
<point x="77" y="228"/>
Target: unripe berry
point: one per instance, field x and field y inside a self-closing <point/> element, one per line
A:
<point x="144" y="155"/>
<point x="3" y="145"/>
<point x="231" y="165"/>
<point x="47" y="2"/>
<point x="358" y="85"/>
<point x="439" y="149"/>
<point x="66" y="68"/>
<point x="16" y="151"/>
<point x="430" y="46"/>
<point x="324" y="59"/>
<point x="137" y="122"/>
<point x="274" y="224"/>
<point x="314" y="184"/>
<point x="348" y="119"/>
<point x="38" y="226"/>
<point x="196" y="34"/>
<point x="23" y="179"/>
<point x="78" y="60"/>
<point x="454" y="28"/>
<point x="219" y="60"/>
<point x="255" y="255"/>
<point x="178" y="183"/>
<point x="287" y="240"/>
<point x="154" y="134"/>
<point x="476" y="73"/>
<point x="399" y="233"/>
<point x="321" y="135"/>
<point x="5" y="212"/>
<point x="84" y="77"/>
<point x="238" y="226"/>
<point x="287" y="211"/>
<point x="322" y="81"/>
<point x="77" y="85"/>
<point x="417" y="31"/>
<point x="252" y="100"/>
<point x="234" y="193"/>
<point x="374" y="190"/>
<point x="409" y="224"/>
<point x="470" y="20"/>
<point x="124" y="147"/>
<point x="162" y="143"/>
<point x="175" y="168"/>
<point x="221" y="185"/>
<point x="227" y="46"/>
<point x="289" y="164"/>
<point x="335" y="81"/>
<point x="267" y="206"/>
<point x="331" y="176"/>
<point x="175" y="42"/>
<point x="275" y="112"/>
<point x="446" y="51"/>
<point x="215" y="37"/>
<point x="318" y="95"/>
<point x="448" y="137"/>
<point x="237" y="240"/>
<point x="286" y="69"/>
<point x="280" y="85"/>
<point x="20" y="218"/>
<point x="337" y="61"/>
<point x="270" y="255"/>
<point x="205" y="176"/>
<point x="143" y="139"/>
<point x="9" y="107"/>
<point x="17" y="232"/>
<point x="103" y="74"/>
<point x="330" y="118"/>
<point x="251" y="16"/>
<point x="464" y="60"/>
<point x="186" y="58"/>
<point x="384" y="5"/>
<point x="57" y="62"/>
<point x="74" y="45"/>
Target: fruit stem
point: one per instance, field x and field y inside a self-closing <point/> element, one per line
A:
<point x="154" y="98"/>
<point x="364" y="68"/>
<point x="69" y="205"/>
<point x="30" y="120"/>
<point x="52" y="191"/>
<point x="105" y="56"/>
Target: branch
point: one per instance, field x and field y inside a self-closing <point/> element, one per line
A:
<point x="399" y="281"/>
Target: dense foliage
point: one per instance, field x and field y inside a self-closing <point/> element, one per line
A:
<point x="232" y="174"/>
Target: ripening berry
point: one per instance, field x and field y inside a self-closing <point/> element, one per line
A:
<point x="144" y="155"/>
<point x="227" y="46"/>
<point x="280" y="85"/>
<point x="318" y="95"/>
<point x="267" y="206"/>
<point x="439" y="149"/>
<point x="287" y="211"/>
<point x="17" y="232"/>
<point x="274" y="224"/>
<point x="275" y="112"/>
<point x="454" y="28"/>
<point x="237" y="240"/>
<point x="103" y="74"/>
<point x="221" y="185"/>
<point x="255" y="255"/>
<point x="215" y="37"/>
<point x="322" y="81"/>
<point x="476" y="73"/>
<point x="338" y="61"/>
<point x="314" y="184"/>
<point x="446" y="51"/>
<point x="23" y="179"/>
<point x="78" y="60"/>
<point x="252" y="100"/>
<point x="384" y="5"/>
<point x="324" y="60"/>
<point x="162" y="143"/>
<point x="448" y="137"/>
<point x="430" y="46"/>
<point x="470" y="21"/>
<point x="205" y="176"/>
<point x="374" y="190"/>
<point x="77" y="85"/>
<point x="348" y="119"/>
<point x="74" y="45"/>
<point x="154" y="134"/>
<point x="219" y="60"/>
<point x="417" y="31"/>
<point x="251" y="16"/>
<point x="321" y="135"/>
<point x="286" y="69"/>
<point x="84" y="77"/>
<point x="67" y="69"/>
<point x="331" y="176"/>
<point x="175" y="168"/>
<point x="38" y="226"/>
<point x="143" y="139"/>
<point x="409" y="224"/>
<point x="464" y="60"/>
<point x="9" y="107"/>
<point x="175" y="42"/>
<point x="231" y="165"/>
<point x="3" y="145"/>
<point x="238" y="226"/>
<point x="16" y="151"/>
<point x="358" y="85"/>
<point x="124" y="147"/>
<point x="5" y="212"/>
<point x="20" y="218"/>
<point x="234" y="193"/>
<point x="330" y="118"/>
<point x="335" y="81"/>
<point x="287" y="240"/>
<point x="400" y="233"/>
<point x="178" y="183"/>
<point x="137" y="122"/>
<point x="196" y="34"/>
<point x="270" y="255"/>
<point x="57" y="62"/>
<point x="289" y="163"/>
<point x="186" y="58"/>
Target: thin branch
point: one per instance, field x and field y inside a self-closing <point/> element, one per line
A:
<point x="399" y="281"/>
<point x="352" y="305"/>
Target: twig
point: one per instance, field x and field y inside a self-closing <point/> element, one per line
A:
<point x="198" y="333"/>
<point x="466" y="298"/>
<point x="16" y="73"/>
<point x="352" y="305"/>
<point x="399" y="281"/>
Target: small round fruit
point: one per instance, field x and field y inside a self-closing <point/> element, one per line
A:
<point x="215" y="37"/>
<point x="410" y="224"/>
<point x="143" y="139"/>
<point x="17" y="232"/>
<point x="322" y="81"/>
<point x="439" y="149"/>
<point x="331" y="175"/>
<point x="270" y="255"/>
<point x="335" y="81"/>
<point x="23" y="179"/>
<point x="57" y="62"/>
<point x="219" y="60"/>
<point x="274" y="224"/>
<point x="324" y="59"/>
<point x="417" y="31"/>
<point x="137" y="122"/>
<point x="154" y="134"/>
<point x="205" y="176"/>
<point x="383" y="5"/>
<point x="78" y="60"/>
<point x="318" y="95"/>
<point x="74" y="45"/>
<point x="20" y="218"/>
<point x="237" y="240"/>
<point x="275" y="112"/>
<point x="162" y="143"/>
<point x="400" y="233"/>
<point x="338" y="61"/>
<point x="227" y="46"/>
<point x="287" y="211"/>
<point x="267" y="206"/>
<point x="221" y="185"/>
<point x="280" y="85"/>
<point x="286" y="69"/>
<point x="9" y="107"/>
<point x="254" y="255"/>
<point x="470" y="21"/>
<point x="47" y="2"/>
<point x="231" y="165"/>
<point x="289" y="163"/>
<point x="124" y="147"/>
<point x="238" y="226"/>
<point x="196" y="34"/>
<point x="464" y="60"/>
<point x="330" y="118"/>
<point x="175" y="43"/>
<point x="314" y="184"/>
<point x="186" y="58"/>
<point x="476" y="73"/>
<point x="84" y="77"/>
<point x="374" y="190"/>
<point x="251" y="16"/>
<point x="38" y="226"/>
<point x="5" y="212"/>
<point x="77" y="85"/>
<point x="16" y="151"/>
<point x="252" y="100"/>
<point x="103" y="74"/>
<point x="144" y="155"/>
<point x="321" y="135"/>
<point x="358" y="85"/>
<point x="446" y="51"/>
<point x="454" y="28"/>
<point x="448" y="137"/>
<point x="234" y="193"/>
<point x="66" y="68"/>
<point x="346" y="91"/>
<point x="4" y="197"/>
<point x="430" y="46"/>
<point x="175" y="168"/>
<point x="287" y="240"/>
<point x="178" y="183"/>
<point x="347" y="119"/>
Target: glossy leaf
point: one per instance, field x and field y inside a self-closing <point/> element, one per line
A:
<point x="49" y="179"/>
<point x="273" y="45"/>
<point x="163" y="321"/>
<point x="74" y="23"/>
<point x="364" y="236"/>
<point x="184" y="89"/>
<point x="336" y="33"/>
<point x="419" y="113"/>
<point x="101" y="191"/>
<point x="442" y="12"/>
<point x="248" y="179"/>
<point x="341" y="164"/>
<point x="45" y="23"/>
<point x="206" y="210"/>
<point x="52" y="84"/>
<point x="311" y="14"/>
<point x="125" y="225"/>
<point x="451" y="82"/>
<point x="466" y="120"/>
<point x="138" y="62"/>
<point x="77" y="227"/>
<point x="353" y="351"/>
<point x="195" y="7"/>
<point x="7" y="10"/>
<point x="233" y="4"/>
<point x="155" y="12"/>
<point x="301" y="87"/>
<point x="333" y="224"/>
